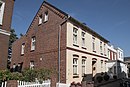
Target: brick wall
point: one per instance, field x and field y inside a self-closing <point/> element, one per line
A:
<point x="46" y="53"/>
<point x="4" y="39"/>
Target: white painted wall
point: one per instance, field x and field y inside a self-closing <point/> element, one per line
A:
<point x="88" y="46"/>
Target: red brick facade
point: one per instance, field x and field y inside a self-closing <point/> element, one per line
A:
<point x="45" y="54"/>
<point x="5" y="27"/>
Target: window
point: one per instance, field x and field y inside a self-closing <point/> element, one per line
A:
<point x="101" y="47"/>
<point x="46" y="17"/>
<point x="129" y="70"/>
<point x="83" y="66"/>
<point x="83" y="39"/>
<point x="75" y="33"/>
<point x="108" y="53"/>
<point x="114" y="69"/>
<point x="40" y="19"/>
<point x="75" y="66"/>
<point x="33" y="43"/>
<point x="2" y="5"/>
<point x="31" y="64"/>
<point x="105" y="49"/>
<point x="23" y="48"/>
<point x="101" y="65"/>
<point x="93" y="44"/>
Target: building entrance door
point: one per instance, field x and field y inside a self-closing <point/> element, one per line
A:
<point x="94" y="66"/>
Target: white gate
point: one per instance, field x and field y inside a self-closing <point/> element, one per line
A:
<point x="34" y="84"/>
<point x="62" y="85"/>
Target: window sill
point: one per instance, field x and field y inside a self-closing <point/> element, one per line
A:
<point x="94" y="51"/>
<point x="45" y="21"/>
<point x="75" y="76"/>
<point x="75" y="45"/>
<point x="32" y="50"/>
<point x="39" y="24"/>
<point x="22" y="54"/>
<point x="84" y="48"/>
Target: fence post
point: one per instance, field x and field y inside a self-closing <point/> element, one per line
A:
<point x="12" y="83"/>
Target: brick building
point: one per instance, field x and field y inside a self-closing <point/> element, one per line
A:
<point x="6" y="10"/>
<point x="82" y="50"/>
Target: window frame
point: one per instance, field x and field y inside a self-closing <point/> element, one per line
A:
<point x="105" y="49"/>
<point x="93" y="44"/>
<point x="2" y="7"/>
<point x="101" y="48"/>
<point x="46" y="17"/>
<point x="33" y="43"/>
<point x="83" y="66"/>
<point x="75" y="36"/>
<point x="40" y="19"/>
<point x="32" y="64"/>
<point x="23" y="49"/>
<point x="75" y="65"/>
<point x="83" y="38"/>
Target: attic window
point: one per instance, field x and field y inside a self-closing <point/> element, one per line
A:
<point x="46" y="16"/>
<point x="40" y="19"/>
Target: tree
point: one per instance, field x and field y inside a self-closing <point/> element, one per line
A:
<point x="13" y="37"/>
<point x="21" y="34"/>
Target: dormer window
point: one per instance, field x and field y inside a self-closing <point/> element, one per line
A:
<point x="40" y="19"/>
<point x="46" y="17"/>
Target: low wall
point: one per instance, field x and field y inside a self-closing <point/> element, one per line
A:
<point x="111" y="83"/>
<point x="12" y="83"/>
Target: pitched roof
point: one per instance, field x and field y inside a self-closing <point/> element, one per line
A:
<point x="72" y="20"/>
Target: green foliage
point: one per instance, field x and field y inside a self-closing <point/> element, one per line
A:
<point x="43" y="74"/>
<point x="27" y="75"/>
<point x="13" y="37"/>
<point x="16" y="76"/>
<point x="106" y="77"/>
<point x="99" y="79"/>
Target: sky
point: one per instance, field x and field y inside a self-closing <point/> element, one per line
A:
<point x="109" y="18"/>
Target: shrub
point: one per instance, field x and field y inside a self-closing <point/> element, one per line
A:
<point x="106" y="77"/>
<point x="73" y="83"/>
<point x="115" y="77"/>
<point x="99" y="79"/>
<point x="27" y="75"/>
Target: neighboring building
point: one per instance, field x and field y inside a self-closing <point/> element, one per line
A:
<point x="116" y="65"/>
<point x="6" y="10"/>
<point x="127" y="60"/>
<point x="82" y="50"/>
